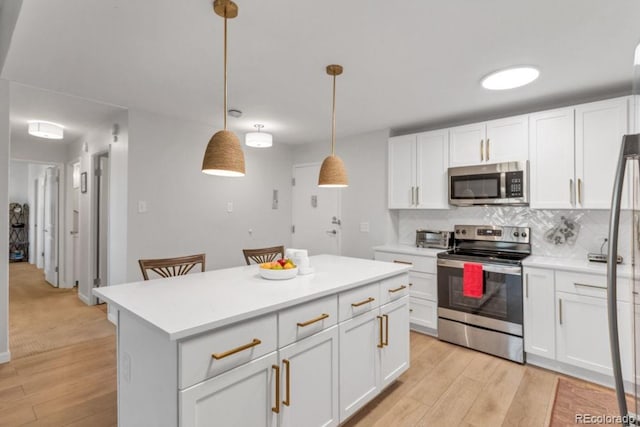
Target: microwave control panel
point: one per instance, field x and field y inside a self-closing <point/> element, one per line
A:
<point x="514" y="184"/>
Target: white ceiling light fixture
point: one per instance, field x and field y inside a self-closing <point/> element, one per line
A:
<point x="258" y="139"/>
<point x="510" y="78"/>
<point x="46" y="130"/>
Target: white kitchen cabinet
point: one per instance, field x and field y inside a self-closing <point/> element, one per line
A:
<point x="599" y="130"/>
<point x="244" y="396"/>
<point x="551" y="151"/>
<point x="418" y="171"/>
<point x="394" y="355"/>
<point x="309" y="381"/>
<point x="583" y="335"/>
<point x="502" y="140"/>
<point x="539" y="313"/>
<point x="423" y="313"/>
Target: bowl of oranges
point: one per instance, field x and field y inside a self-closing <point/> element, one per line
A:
<point x="281" y="269"/>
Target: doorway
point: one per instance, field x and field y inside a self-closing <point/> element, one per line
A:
<point x="101" y="259"/>
<point x="316" y="212"/>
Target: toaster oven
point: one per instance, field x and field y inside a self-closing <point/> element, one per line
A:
<point x="434" y="239"/>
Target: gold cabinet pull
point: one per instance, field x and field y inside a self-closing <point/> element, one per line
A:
<point x="287" y="389"/>
<point x="571" y="195"/>
<point x="411" y="310"/>
<point x="417" y="196"/>
<point x="402" y="262"/>
<point x="482" y="150"/>
<point x="560" y="310"/>
<point x="276" y="408"/>
<point x="367" y="301"/>
<point x="314" y="320"/>
<point x="579" y="190"/>
<point x="219" y="356"/>
<point x="398" y="289"/>
<point x="381" y="343"/>
<point x="487" y="147"/>
<point x="386" y="321"/>
<point x="413" y="196"/>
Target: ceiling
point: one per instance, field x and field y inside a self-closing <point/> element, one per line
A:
<point x="408" y="65"/>
<point x="78" y="116"/>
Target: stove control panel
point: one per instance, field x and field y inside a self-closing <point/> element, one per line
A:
<point x="493" y="233"/>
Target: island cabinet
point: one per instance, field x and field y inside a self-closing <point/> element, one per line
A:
<point x="231" y="349"/>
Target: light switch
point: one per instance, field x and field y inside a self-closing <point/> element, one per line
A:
<point x="229" y="206"/>
<point x="364" y="227"/>
<point x="142" y="206"/>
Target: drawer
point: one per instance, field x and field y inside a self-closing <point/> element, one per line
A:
<point x="307" y="319"/>
<point x="423" y="313"/>
<point x="594" y="285"/>
<point x="394" y="288"/>
<point x="357" y="301"/>
<point x="423" y="285"/>
<point x="231" y="344"/>
<point x="419" y="263"/>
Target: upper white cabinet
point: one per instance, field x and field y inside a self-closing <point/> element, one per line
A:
<point x="418" y="171"/>
<point x="574" y="153"/>
<point x="495" y="141"/>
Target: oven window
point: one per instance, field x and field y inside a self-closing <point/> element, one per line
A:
<point x="502" y="297"/>
<point x="485" y="186"/>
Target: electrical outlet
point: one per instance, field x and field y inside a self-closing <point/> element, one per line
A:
<point x="364" y="227"/>
<point x="229" y="207"/>
<point x="142" y="206"/>
<point x="274" y="203"/>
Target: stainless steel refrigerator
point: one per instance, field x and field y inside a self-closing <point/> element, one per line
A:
<point x="628" y="167"/>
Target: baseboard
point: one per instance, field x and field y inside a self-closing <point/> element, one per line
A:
<point x="424" y="330"/>
<point x="84" y="299"/>
<point x="5" y="357"/>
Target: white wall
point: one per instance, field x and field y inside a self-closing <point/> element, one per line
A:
<point x="365" y="200"/>
<point x="19" y="182"/>
<point x="187" y="210"/>
<point x="47" y="151"/>
<point x="4" y="219"/>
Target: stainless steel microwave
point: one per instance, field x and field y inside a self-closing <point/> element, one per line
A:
<point x="492" y="184"/>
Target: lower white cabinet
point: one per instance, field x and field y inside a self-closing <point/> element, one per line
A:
<point x="394" y="355"/>
<point x="539" y="313"/>
<point x="309" y="385"/>
<point x="244" y="396"/>
<point x="423" y="313"/>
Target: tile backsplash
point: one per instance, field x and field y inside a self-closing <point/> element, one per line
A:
<point x="594" y="226"/>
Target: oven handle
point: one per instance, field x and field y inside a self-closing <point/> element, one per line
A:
<point x="491" y="268"/>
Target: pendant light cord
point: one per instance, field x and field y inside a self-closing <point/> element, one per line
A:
<point x="225" y="70"/>
<point x="333" y="119"/>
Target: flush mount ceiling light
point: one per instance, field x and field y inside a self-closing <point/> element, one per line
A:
<point x="332" y="171"/>
<point x="224" y="156"/>
<point x="510" y="78"/>
<point x="258" y="139"/>
<point x="46" y="130"/>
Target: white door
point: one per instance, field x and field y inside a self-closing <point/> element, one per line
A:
<point x="402" y="172"/>
<point x="75" y="224"/>
<point x="394" y="358"/>
<point x="102" y="219"/>
<point x="312" y="381"/>
<point x="551" y="151"/>
<point x="599" y="130"/>
<point x="466" y="145"/>
<point x="39" y="226"/>
<point x="539" y="313"/>
<point x="244" y="396"/>
<point x="359" y="362"/>
<point x="432" y="161"/>
<point x="507" y="140"/>
<point x="51" y="226"/>
<point x="316" y="213"/>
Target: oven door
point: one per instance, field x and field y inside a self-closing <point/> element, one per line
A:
<point x="500" y="308"/>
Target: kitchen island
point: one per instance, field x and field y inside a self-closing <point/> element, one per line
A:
<point x="227" y="347"/>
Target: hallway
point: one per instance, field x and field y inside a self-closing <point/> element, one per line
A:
<point x="63" y="357"/>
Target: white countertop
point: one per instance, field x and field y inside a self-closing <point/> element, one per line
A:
<point x="580" y="266"/>
<point x="187" y="305"/>
<point x="408" y="249"/>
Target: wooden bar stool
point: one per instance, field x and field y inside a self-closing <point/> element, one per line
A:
<point x="170" y="267"/>
<point x="263" y="255"/>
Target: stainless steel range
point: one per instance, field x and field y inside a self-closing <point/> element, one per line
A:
<point x="491" y="320"/>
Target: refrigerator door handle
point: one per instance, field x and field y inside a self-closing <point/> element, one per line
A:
<point x="630" y="149"/>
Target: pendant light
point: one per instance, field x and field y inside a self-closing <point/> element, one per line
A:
<point x="224" y="156"/>
<point x="332" y="171"/>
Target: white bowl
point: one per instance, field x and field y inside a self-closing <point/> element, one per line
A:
<point x="278" y="274"/>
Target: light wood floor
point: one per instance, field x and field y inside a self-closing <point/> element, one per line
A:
<point x="63" y="373"/>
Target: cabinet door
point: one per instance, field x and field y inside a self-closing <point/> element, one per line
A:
<point x="423" y="285"/>
<point x="243" y="396"/>
<point x="583" y="333"/>
<point x="507" y="140"/>
<point x="394" y="354"/>
<point x="312" y="381"/>
<point x="402" y="172"/>
<point x="359" y="362"/>
<point x="599" y="130"/>
<point x="551" y="153"/>
<point x="432" y="158"/>
<point x="466" y="145"/>
<point x="423" y="312"/>
<point x="539" y="313"/>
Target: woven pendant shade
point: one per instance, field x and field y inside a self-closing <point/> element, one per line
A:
<point x="224" y="155"/>
<point x="333" y="173"/>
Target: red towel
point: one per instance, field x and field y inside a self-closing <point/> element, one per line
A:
<point x="472" y="280"/>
